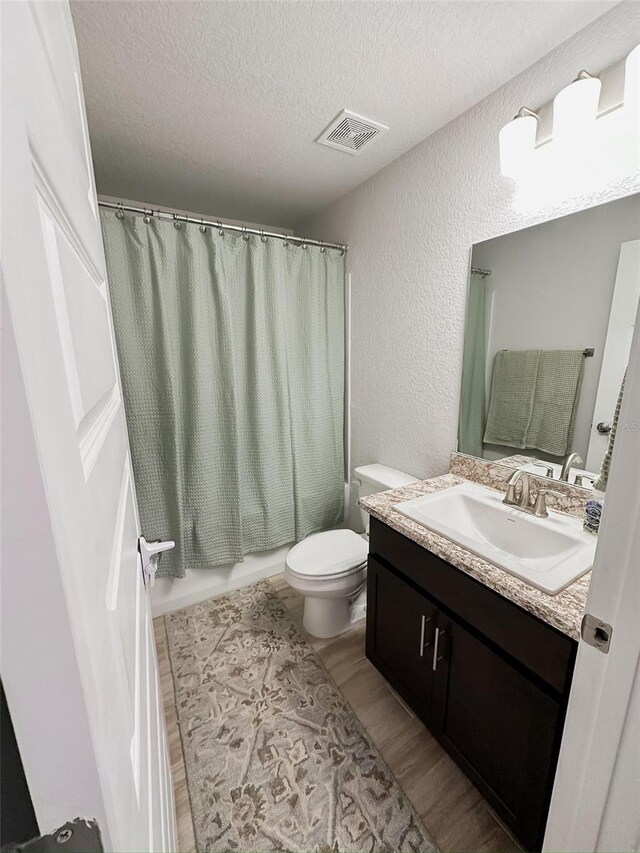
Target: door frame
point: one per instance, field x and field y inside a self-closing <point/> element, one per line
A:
<point x="596" y="781"/>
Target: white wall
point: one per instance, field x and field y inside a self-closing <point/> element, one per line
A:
<point x="552" y="286"/>
<point x="410" y="230"/>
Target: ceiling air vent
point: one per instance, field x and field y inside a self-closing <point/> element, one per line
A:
<point x="350" y="132"/>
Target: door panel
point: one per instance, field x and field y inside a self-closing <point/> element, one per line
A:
<point x="88" y="667"/>
<point x="400" y="630"/>
<point x="498" y="724"/>
<point x="80" y="301"/>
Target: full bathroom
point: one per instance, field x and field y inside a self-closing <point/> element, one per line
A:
<point x="321" y="443"/>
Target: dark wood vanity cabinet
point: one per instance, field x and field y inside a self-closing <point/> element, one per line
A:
<point x="487" y="678"/>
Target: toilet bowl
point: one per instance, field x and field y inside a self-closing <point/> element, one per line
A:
<point x="330" y="569"/>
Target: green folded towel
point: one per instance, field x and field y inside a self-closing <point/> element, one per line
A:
<point x="534" y="398"/>
<point x="556" y="401"/>
<point x="513" y="386"/>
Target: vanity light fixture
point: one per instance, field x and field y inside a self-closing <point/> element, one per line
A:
<point x="518" y="142"/>
<point x="575" y="108"/>
<point x="587" y="136"/>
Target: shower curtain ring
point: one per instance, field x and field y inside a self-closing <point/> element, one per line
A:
<point x="245" y="236"/>
<point x="147" y="216"/>
<point x="262" y="237"/>
<point x="120" y="211"/>
<point x="343" y="250"/>
<point x="176" y="223"/>
<point x="203" y="227"/>
<point x="322" y="246"/>
<point x="303" y="244"/>
<point x="220" y="231"/>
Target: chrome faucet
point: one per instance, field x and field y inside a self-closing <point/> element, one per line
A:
<point x="522" y="500"/>
<point x="512" y="498"/>
<point x="568" y="463"/>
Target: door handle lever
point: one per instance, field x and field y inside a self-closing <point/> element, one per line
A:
<point x="150" y="555"/>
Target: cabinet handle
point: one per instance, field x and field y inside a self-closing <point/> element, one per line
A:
<point x="425" y="621"/>
<point x="439" y="634"/>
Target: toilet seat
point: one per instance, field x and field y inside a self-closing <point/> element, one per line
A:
<point x="328" y="576"/>
<point x="332" y="554"/>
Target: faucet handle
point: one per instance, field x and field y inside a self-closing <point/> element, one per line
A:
<point x="540" y="509"/>
<point x="580" y="478"/>
<point x="540" y="463"/>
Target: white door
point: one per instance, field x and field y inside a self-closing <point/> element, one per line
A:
<point x="78" y="660"/>
<point x="624" y="307"/>
<point x="597" y="787"/>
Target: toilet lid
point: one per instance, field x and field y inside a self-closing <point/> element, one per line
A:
<point x="330" y="553"/>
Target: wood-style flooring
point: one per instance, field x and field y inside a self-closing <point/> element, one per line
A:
<point x="453" y="811"/>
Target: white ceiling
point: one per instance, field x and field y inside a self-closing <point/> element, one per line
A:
<point x="213" y="107"/>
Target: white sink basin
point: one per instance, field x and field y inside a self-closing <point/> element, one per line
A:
<point x="548" y="553"/>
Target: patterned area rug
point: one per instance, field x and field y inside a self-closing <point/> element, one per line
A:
<point x="275" y="757"/>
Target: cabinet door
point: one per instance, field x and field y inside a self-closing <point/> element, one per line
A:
<point x="498" y="725"/>
<point x="400" y="631"/>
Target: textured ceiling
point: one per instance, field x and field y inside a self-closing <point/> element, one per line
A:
<point x="214" y="107"/>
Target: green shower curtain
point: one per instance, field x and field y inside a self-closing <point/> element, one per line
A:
<point x="472" y="395"/>
<point x="232" y="361"/>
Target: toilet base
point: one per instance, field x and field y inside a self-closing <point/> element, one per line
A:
<point x="359" y="607"/>
<point x="328" y="617"/>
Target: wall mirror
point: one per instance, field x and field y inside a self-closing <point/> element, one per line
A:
<point x="550" y="318"/>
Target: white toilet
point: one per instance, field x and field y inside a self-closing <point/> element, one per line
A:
<point x="330" y="569"/>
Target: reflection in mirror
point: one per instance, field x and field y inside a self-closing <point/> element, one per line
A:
<point x="550" y="318"/>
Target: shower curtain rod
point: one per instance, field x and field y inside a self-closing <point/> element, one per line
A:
<point x="480" y="271"/>
<point x="221" y="226"/>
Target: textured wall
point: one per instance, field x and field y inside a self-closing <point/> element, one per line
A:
<point x="410" y="230"/>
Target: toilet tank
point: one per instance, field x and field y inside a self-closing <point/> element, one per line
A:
<point x="370" y="479"/>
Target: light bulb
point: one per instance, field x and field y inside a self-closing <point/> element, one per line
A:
<point x="575" y="108"/>
<point x="517" y="143"/>
<point x="632" y="80"/>
<point x="631" y="107"/>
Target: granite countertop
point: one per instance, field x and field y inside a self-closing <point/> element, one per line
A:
<point x="563" y="611"/>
